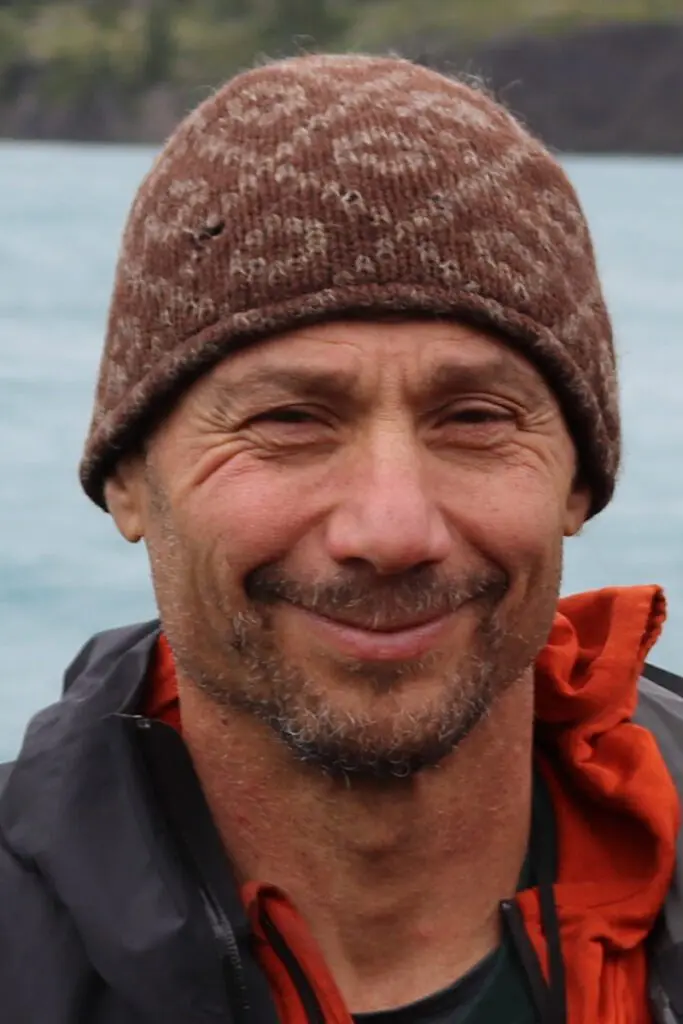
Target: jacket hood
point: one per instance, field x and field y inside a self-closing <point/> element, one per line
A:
<point x="74" y="811"/>
<point x="617" y="809"/>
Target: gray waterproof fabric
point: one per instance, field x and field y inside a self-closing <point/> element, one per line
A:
<point x="661" y="711"/>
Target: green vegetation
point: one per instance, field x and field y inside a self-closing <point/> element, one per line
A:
<point x="129" y="46"/>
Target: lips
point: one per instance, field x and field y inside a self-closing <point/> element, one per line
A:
<point x="377" y="625"/>
<point x="390" y="642"/>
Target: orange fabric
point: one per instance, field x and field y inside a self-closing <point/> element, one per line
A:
<point x="268" y="900"/>
<point x="616" y="808"/>
<point x="161" y="700"/>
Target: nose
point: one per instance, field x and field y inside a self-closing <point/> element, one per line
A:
<point x="386" y="516"/>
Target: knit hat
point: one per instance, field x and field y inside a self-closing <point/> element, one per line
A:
<point x="327" y="186"/>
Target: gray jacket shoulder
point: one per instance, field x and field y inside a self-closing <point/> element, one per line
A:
<point x="660" y="710"/>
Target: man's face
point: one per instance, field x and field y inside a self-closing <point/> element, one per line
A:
<point x="355" y="533"/>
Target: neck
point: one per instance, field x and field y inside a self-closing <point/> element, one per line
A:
<point x="399" y="882"/>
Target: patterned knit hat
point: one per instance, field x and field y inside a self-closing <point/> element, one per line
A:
<point x="329" y="186"/>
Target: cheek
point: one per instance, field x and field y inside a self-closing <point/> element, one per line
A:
<point x="520" y="529"/>
<point x="516" y="521"/>
<point x="254" y="515"/>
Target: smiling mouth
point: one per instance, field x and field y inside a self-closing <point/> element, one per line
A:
<point x="373" y="641"/>
<point x="382" y="627"/>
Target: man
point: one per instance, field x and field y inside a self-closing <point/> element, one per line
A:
<point x="357" y="388"/>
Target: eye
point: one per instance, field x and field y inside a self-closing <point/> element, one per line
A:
<point x="293" y="429"/>
<point x="479" y="414"/>
<point x="474" y="424"/>
<point x="287" y="414"/>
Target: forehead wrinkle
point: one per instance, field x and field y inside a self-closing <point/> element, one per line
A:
<point x="361" y="382"/>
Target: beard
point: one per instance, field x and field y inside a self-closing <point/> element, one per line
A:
<point x="370" y="720"/>
<point x="381" y="736"/>
<point x="384" y="732"/>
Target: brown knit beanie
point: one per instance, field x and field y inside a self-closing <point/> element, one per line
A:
<point x="329" y="186"/>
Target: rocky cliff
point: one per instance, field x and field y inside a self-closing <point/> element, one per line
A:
<point x="612" y="88"/>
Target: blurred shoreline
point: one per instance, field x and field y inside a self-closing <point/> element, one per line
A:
<point x="611" y="87"/>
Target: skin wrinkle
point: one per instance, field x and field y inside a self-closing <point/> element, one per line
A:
<point x="266" y="383"/>
<point x="369" y="791"/>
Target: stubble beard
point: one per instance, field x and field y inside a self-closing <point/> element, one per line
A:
<point x="383" y="736"/>
<point x="359" y="742"/>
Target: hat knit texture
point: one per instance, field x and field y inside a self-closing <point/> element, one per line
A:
<point x="324" y="187"/>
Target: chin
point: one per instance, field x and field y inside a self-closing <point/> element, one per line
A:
<point x="381" y="732"/>
<point x="377" y="754"/>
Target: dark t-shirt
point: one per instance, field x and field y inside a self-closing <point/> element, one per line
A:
<point x="495" y="991"/>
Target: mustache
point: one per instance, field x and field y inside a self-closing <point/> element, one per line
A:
<point x="366" y="597"/>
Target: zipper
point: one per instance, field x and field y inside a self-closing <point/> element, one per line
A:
<point x="171" y="774"/>
<point x="231" y="961"/>
<point x="312" y="1008"/>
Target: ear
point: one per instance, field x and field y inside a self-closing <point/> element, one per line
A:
<point x="123" y="493"/>
<point x="577" y="508"/>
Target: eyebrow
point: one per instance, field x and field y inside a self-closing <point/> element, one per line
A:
<point x="450" y="378"/>
<point x="302" y="382"/>
<point x="341" y="386"/>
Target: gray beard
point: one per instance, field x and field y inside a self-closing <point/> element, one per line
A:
<point x="342" y="744"/>
<point x="380" y="738"/>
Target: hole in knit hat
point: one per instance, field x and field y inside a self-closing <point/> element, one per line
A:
<point x="213" y="227"/>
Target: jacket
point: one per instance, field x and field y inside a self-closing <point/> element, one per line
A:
<point x="116" y="900"/>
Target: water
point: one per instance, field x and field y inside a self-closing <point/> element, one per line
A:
<point x="64" y="572"/>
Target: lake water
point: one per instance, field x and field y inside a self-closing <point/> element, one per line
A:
<point x="65" y="574"/>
